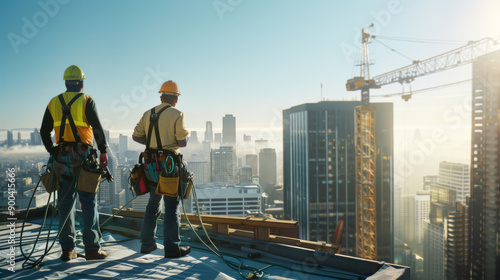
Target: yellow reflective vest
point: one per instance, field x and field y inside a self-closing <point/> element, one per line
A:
<point x="78" y="114"/>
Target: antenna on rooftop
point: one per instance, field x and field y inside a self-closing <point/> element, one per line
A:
<point x="321" y="92"/>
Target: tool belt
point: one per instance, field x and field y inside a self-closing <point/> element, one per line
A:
<point x="74" y="157"/>
<point x="161" y="168"/>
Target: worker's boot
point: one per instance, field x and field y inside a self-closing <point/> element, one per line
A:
<point x="95" y="254"/>
<point x="68" y="255"/>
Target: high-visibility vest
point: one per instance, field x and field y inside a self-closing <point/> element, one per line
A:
<point x="78" y="114"/>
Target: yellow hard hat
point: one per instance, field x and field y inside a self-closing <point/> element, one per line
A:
<point x="169" y="88"/>
<point x="73" y="73"/>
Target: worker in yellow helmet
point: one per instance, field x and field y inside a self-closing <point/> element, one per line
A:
<point x="73" y="117"/>
<point x="163" y="131"/>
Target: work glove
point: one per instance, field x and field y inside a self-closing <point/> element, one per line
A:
<point x="103" y="160"/>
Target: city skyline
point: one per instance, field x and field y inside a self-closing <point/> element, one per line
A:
<point x="249" y="63"/>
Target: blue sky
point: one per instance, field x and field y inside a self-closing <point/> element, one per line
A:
<point x="248" y="58"/>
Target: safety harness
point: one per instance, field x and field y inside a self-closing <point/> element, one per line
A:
<point x="155" y="160"/>
<point x="66" y="109"/>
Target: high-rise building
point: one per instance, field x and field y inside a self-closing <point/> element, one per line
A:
<point x="194" y="137"/>
<point x="451" y="181"/>
<point x="407" y="215"/>
<point x="217" y="137"/>
<point x="247" y="138"/>
<point x="399" y="221"/>
<point x="434" y="251"/>
<point x="319" y="172"/>
<point x="123" y="140"/>
<point x="10" y="138"/>
<point x="35" y="138"/>
<point x="484" y="211"/>
<point x="200" y="169"/>
<point x="253" y="161"/>
<point x="19" y="137"/>
<point x="457" y="248"/>
<point x="209" y="134"/>
<point x="455" y="176"/>
<point x="421" y="213"/>
<point x="267" y="171"/>
<point x="229" y="130"/>
<point x="245" y="175"/>
<point x="222" y="165"/>
<point x="429" y="180"/>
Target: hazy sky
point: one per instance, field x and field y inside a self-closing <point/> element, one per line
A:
<point x="248" y="58"/>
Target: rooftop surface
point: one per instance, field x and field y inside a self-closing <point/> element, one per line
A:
<point x="125" y="261"/>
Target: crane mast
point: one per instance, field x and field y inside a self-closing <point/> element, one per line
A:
<point x="365" y="150"/>
<point x="365" y="146"/>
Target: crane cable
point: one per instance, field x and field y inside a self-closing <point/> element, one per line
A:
<point x="421" y="90"/>
<point x="425" y="41"/>
<point x="374" y="38"/>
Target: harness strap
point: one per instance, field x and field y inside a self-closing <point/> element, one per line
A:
<point x="66" y="109"/>
<point x="153" y="123"/>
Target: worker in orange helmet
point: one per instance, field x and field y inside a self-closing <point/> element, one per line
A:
<point x="73" y="117"/>
<point x="163" y="131"/>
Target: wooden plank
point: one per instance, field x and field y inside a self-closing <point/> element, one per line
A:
<point x="261" y="233"/>
<point x="256" y="222"/>
<point x="220" y="228"/>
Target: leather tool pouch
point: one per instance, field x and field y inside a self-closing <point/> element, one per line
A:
<point x="89" y="180"/>
<point x="167" y="185"/>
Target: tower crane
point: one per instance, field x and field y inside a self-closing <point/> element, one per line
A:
<point x="365" y="129"/>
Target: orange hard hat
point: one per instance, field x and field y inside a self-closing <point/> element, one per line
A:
<point x="169" y="88"/>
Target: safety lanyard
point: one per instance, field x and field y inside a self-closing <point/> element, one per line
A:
<point x="153" y="123"/>
<point x="66" y="109"/>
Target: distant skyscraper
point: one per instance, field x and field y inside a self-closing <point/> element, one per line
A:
<point x="222" y="165"/>
<point x="421" y="212"/>
<point x="10" y="138"/>
<point x="429" y="180"/>
<point x="253" y="161"/>
<point x="434" y="251"/>
<point x="209" y="134"/>
<point x="398" y="215"/>
<point x="229" y="130"/>
<point x="247" y="138"/>
<point x="35" y="138"/>
<point x="206" y="151"/>
<point x="194" y="137"/>
<point x="444" y="193"/>
<point x="200" y="169"/>
<point x="484" y="210"/>
<point x="245" y="175"/>
<point x="457" y="247"/>
<point x="319" y="172"/>
<point x="217" y="137"/>
<point x="267" y="171"/>
<point x="19" y="137"/>
<point x="407" y="214"/>
<point x="123" y="145"/>
<point x="455" y="176"/>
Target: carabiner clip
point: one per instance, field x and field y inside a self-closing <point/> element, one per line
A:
<point x="172" y="165"/>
